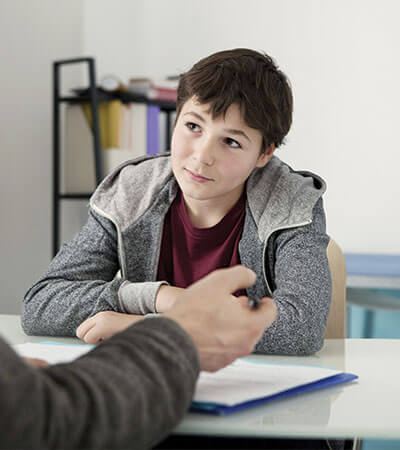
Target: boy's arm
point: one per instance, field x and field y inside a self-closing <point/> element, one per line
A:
<point x="128" y="392"/>
<point x="303" y="290"/>
<point x="80" y="282"/>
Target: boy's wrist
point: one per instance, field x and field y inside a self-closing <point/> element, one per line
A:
<point x="166" y="297"/>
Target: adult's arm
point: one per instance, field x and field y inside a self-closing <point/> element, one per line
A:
<point x="129" y="392"/>
<point x="302" y="289"/>
<point x="81" y="282"/>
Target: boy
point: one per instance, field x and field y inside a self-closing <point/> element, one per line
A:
<point x="221" y="198"/>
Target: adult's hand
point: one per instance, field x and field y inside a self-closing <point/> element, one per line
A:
<point x="103" y="325"/>
<point x="221" y="325"/>
<point x="35" y="362"/>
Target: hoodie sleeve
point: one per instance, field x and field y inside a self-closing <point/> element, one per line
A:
<point x="81" y="281"/>
<point x="129" y="392"/>
<point x="302" y="289"/>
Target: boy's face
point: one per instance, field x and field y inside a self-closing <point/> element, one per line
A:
<point x="212" y="158"/>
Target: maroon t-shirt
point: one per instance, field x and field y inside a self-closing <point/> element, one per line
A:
<point x="189" y="253"/>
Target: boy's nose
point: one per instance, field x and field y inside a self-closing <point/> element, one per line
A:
<point x="204" y="154"/>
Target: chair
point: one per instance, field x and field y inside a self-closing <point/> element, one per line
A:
<point x="336" y="325"/>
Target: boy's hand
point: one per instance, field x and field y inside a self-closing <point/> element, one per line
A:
<point x="166" y="297"/>
<point x="221" y="327"/>
<point x="103" y="325"/>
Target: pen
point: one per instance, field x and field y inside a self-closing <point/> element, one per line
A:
<point x="253" y="302"/>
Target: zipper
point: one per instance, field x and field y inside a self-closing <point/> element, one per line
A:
<point x="122" y="253"/>
<point x="297" y="225"/>
<point x="160" y="236"/>
<point x="119" y="235"/>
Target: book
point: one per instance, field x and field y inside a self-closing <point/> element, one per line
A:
<point x="123" y="130"/>
<point x="247" y="383"/>
<point x="139" y="86"/>
<point x="132" y="138"/>
<point x="165" y="90"/>
<point x="125" y="127"/>
<point x="159" y="93"/>
<point x="110" y="117"/>
<point x="139" y="129"/>
<point x="160" y="89"/>
<point x="165" y="121"/>
<point x="153" y="144"/>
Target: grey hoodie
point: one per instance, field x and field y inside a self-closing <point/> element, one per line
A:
<point x="284" y="241"/>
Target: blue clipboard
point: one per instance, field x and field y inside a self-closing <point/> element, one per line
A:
<point x="223" y="409"/>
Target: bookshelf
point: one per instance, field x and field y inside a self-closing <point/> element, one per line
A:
<point x="93" y="95"/>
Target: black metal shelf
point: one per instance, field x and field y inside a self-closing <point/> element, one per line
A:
<point x="77" y="196"/>
<point x="164" y="105"/>
<point x="74" y="99"/>
<point x="93" y="95"/>
<point x="57" y="100"/>
<point x="125" y="97"/>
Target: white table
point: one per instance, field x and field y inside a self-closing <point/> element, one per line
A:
<point x="367" y="408"/>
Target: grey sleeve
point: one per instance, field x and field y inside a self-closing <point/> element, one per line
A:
<point x="81" y="282"/>
<point x="302" y="289"/>
<point x="139" y="298"/>
<point x="129" y="392"/>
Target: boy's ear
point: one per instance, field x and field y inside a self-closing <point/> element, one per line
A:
<point x="265" y="156"/>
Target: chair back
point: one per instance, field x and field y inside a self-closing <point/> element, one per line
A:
<point x="336" y="326"/>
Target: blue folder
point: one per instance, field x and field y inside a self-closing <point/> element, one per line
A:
<point x="223" y="409"/>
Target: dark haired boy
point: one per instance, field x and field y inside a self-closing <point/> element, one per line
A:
<point x="219" y="199"/>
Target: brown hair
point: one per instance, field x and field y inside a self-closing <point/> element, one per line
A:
<point x="248" y="78"/>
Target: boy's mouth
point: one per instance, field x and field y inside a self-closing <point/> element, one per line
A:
<point x="196" y="176"/>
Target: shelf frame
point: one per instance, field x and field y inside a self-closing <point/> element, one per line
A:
<point x="57" y="100"/>
<point x="94" y="96"/>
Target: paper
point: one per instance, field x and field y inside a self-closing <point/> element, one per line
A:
<point x="52" y="352"/>
<point x="245" y="380"/>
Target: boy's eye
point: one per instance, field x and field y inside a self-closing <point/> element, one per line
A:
<point x="193" y="126"/>
<point x="232" y="143"/>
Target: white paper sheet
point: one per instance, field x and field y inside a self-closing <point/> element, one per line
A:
<point x="246" y="380"/>
<point x="53" y="353"/>
<point x="241" y="381"/>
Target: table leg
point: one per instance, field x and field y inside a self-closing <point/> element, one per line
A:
<point x="368" y="323"/>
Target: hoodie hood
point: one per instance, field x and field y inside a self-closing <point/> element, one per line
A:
<point x="278" y="197"/>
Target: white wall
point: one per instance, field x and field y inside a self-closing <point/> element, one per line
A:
<point x="341" y="56"/>
<point x="33" y="34"/>
<point x="342" y="59"/>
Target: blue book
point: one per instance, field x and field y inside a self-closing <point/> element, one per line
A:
<point x="153" y="132"/>
<point x="245" y="384"/>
